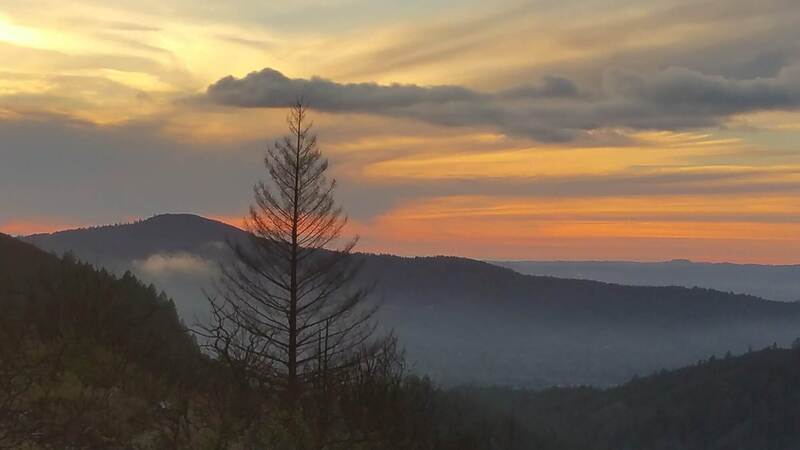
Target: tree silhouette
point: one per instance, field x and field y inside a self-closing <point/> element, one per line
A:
<point x="287" y="314"/>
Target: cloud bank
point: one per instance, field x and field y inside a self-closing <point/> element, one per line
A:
<point x="554" y="109"/>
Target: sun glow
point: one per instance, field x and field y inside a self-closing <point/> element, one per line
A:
<point x="15" y="34"/>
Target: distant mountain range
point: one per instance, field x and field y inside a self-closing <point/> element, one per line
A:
<point x="767" y="281"/>
<point x="467" y="321"/>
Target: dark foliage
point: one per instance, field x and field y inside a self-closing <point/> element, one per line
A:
<point x="732" y="403"/>
<point x="90" y="360"/>
<point x="77" y="344"/>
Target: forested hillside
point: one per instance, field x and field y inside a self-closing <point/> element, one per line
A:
<point x="89" y="360"/>
<point x="721" y="403"/>
<point x="466" y="321"/>
<point x="86" y="356"/>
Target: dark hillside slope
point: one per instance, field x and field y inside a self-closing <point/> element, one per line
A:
<point x="85" y="356"/>
<point x="465" y="321"/>
<point x="60" y="296"/>
<point x="736" y="403"/>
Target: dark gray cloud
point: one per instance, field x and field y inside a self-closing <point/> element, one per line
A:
<point x="687" y="91"/>
<point x="553" y="110"/>
<point x="551" y="86"/>
<point x="270" y="88"/>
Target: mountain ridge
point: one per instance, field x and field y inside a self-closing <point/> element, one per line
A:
<point x="468" y="321"/>
<point x="777" y="282"/>
<point x="748" y="401"/>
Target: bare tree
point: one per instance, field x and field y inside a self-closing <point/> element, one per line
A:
<point x="287" y="312"/>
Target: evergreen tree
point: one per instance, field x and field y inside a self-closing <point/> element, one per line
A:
<point x="287" y="314"/>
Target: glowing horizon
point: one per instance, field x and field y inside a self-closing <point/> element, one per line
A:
<point x="576" y="130"/>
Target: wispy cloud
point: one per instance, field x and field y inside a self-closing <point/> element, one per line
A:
<point x="175" y="263"/>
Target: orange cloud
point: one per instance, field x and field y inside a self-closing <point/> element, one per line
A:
<point x="715" y="229"/>
<point x="647" y="151"/>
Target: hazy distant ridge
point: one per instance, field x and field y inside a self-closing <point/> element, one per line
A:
<point x="778" y="282"/>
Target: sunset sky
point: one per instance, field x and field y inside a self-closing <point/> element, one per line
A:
<point x="552" y="129"/>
